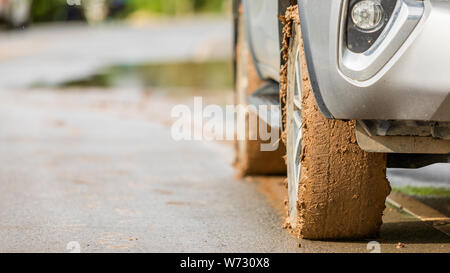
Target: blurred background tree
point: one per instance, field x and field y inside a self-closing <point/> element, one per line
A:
<point x="58" y="10"/>
<point x="49" y="10"/>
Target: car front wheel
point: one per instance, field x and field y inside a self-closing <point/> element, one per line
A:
<point x="336" y="190"/>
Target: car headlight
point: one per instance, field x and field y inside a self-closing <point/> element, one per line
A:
<point x="367" y="15"/>
<point x="366" y="20"/>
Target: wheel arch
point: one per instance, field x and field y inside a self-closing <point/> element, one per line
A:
<point x="310" y="62"/>
<point x="282" y="6"/>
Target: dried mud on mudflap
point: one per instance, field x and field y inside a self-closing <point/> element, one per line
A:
<point x="342" y="189"/>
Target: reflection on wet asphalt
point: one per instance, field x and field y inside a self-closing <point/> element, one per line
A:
<point x="59" y="53"/>
<point x="212" y="75"/>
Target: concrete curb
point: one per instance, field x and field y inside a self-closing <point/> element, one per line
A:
<point x="421" y="211"/>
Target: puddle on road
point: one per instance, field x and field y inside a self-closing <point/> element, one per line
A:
<point x="179" y="76"/>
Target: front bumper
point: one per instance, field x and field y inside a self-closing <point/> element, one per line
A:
<point x="406" y="76"/>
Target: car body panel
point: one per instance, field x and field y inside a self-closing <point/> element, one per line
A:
<point x="262" y="23"/>
<point x="409" y="81"/>
<point x="412" y="85"/>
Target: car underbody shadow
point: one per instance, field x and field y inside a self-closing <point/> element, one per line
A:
<point x="412" y="232"/>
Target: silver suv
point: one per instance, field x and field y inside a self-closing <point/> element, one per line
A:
<point x="361" y="85"/>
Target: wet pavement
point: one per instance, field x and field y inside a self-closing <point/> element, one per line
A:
<point x="113" y="181"/>
<point x="95" y="169"/>
<point x="100" y="168"/>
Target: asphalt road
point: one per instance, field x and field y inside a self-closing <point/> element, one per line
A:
<point x="99" y="167"/>
<point x="100" y="170"/>
<point x="120" y="183"/>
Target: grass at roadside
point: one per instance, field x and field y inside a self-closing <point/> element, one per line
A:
<point x="423" y="191"/>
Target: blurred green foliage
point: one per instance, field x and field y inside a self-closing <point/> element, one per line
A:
<point x="423" y="191"/>
<point x="173" y="7"/>
<point x="49" y="10"/>
<point x="56" y="10"/>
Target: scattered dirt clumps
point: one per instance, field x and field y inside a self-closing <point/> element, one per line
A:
<point x="400" y="245"/>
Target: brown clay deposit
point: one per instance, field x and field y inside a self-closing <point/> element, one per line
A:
<point x="290" y="17"/>
<point x="257" y="162"/>
<point x="273" y="188"/>
<point x="342" y="188"/>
